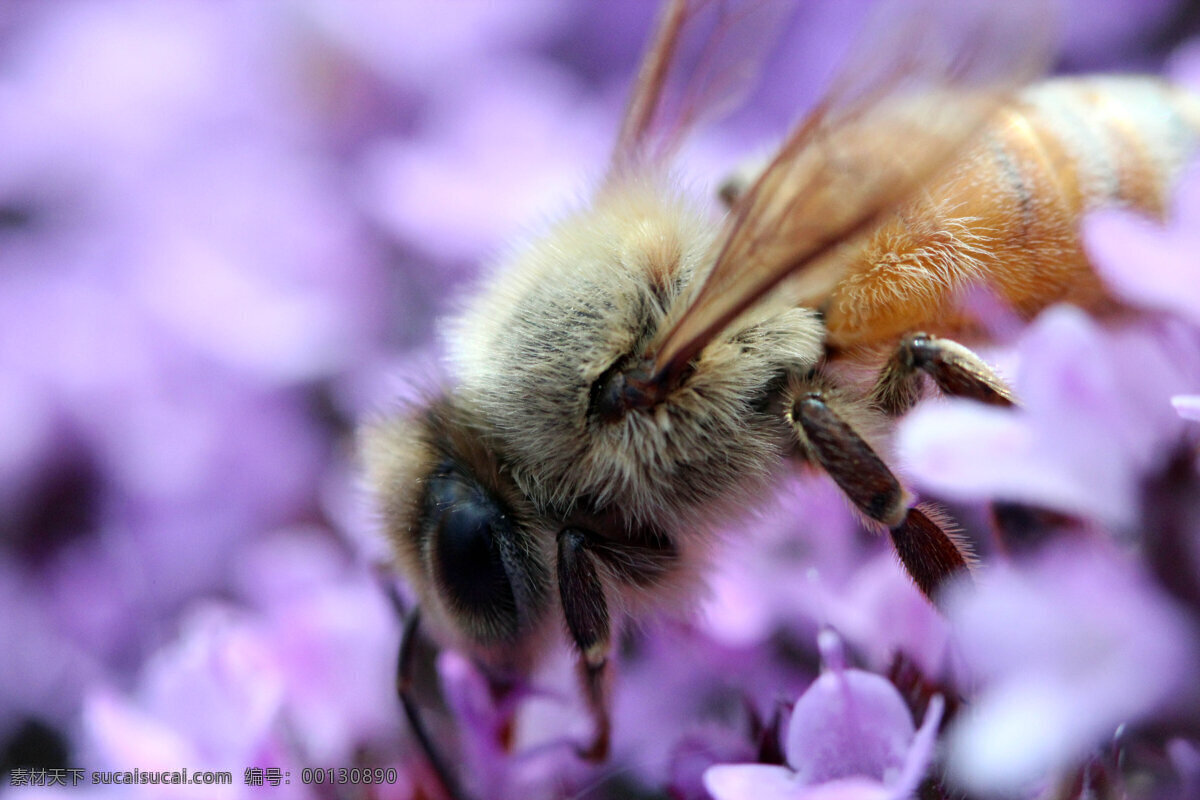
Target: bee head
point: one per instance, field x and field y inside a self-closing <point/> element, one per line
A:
<point x="464" y="536"/>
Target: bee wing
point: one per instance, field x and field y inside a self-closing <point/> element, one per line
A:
<point x="925" y="76"/>
<point x="704" y="54"/>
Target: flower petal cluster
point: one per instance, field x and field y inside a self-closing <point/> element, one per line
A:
<point x="850" y="736"/>
<point x="225" y="230"/>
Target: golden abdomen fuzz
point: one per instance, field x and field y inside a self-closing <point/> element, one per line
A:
<point x="1006" y="213"/>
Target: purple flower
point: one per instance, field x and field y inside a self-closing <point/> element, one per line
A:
<point x="303" y="677"/>
<point x="545" y="729"/>
<point x="1087" y="429"/>
<point x="787" y="566"/>
<point x="803" y="562"/>
<point x="1147" y="263"/>
<point x="333" y="634"/>
<point x="175" y="268"/>
<point x="850" y="736"/>
<point x="684" y="701"/>
<point x="525" y="129"/>
<point x="111" y="529"/>
<point x="209" y="700"/>
<point x="1066" y="648"/>
<point x="680" y="703"/>
<point x="410" y="42"/>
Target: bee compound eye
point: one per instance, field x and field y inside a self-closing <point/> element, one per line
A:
<point x="468" y="526"/>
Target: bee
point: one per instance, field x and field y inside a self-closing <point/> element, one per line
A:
<point x="640" y="373"/>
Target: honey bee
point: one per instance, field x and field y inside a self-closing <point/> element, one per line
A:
<point x="640" y="373"/>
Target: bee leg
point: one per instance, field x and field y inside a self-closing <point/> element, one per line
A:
<point x="954" y="368"/>
<point x="586" y="612"/>
<point x="929" y="553"/>
<point x="404" y="688"/>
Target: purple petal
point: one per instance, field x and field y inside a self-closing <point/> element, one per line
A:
<point x="123" y="735"/>
<point x="849" y="789"/>
<point x="789" y="565"/>
<point x="333" y="634"/>
<point x="1085" y="433"/>
<point x="1188" y="406"/>
<point x="882" y="613"/>
<point x="415" y="42"/>
<point x="517" y="128"/>
<point x="219" y="684"/>
<point x="942" y="444"/>
<point x="848" y="723"/>
<point x="751" y="782"/>
<point x="1146" y="264"/>
<point x="755" y="781"/>
<point x="1068" y="647"/>
<point x="920" y="753"/>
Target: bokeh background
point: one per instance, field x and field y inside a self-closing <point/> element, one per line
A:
<point x="227" y="232"/>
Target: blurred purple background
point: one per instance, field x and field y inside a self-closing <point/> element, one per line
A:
<point x="226" y="232"/>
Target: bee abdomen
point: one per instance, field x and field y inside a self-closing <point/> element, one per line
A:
<point x="1113" y="140"/>
<point x="1006" y="214"/>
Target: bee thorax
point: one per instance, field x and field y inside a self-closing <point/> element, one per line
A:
<point x="553" y="355"/>
<point x="619" y="391"/>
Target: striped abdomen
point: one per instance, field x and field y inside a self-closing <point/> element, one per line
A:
<point x="1006" y="213"/>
